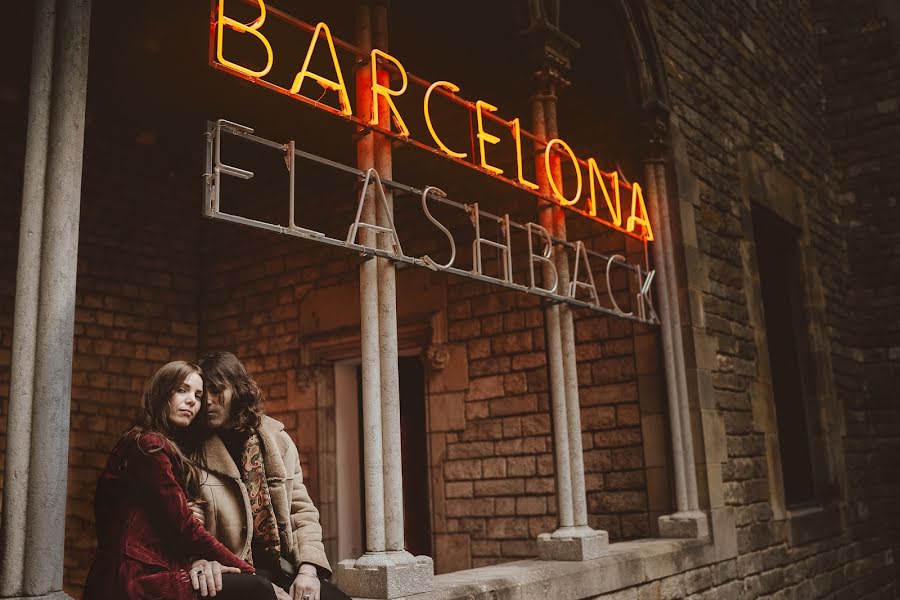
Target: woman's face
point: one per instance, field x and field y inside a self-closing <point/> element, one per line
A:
<point x="184" y="404"/>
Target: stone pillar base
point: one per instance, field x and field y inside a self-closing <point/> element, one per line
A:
<point x="572" y="543"/>
<point x="385" y="575"/>
<point x="688" y="524"/>
<point x="50" y="596"/>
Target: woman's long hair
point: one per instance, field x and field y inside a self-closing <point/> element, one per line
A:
<point x="223" y="370"/>
<point x="186" y="443"/>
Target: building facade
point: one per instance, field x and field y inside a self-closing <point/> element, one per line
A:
<point x="742" y="443"/>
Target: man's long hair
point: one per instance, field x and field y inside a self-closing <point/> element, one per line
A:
<point x="154" y="418"/>
<point x="223" y="370"/>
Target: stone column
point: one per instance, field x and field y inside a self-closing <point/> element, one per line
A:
<point x="579" y="542"/>
<point x="564" y="506"/>
<point x="373" y="448"/>
<point x="688" y="520"/>
<point x="41" y="574"/>
<point x="18" y="425"/>
<point x="386" y="570"/>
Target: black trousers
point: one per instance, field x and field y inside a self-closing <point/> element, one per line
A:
<point x="243" y="586"/>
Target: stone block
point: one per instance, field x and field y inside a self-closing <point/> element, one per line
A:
<point x="447" y="412"/>
<point x="385" y="575"/>
<point x="581" y="548"/>
<point x="684" y="525"/>
<point x="454" y="375"/>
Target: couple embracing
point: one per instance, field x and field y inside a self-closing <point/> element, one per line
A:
<point x="204" y="496"/>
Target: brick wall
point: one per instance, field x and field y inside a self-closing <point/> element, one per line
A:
<point x="743" y="76"/>
<point x="746" y="76"/>
<point x="136" y="306"/>
<point x="861" y="48"/>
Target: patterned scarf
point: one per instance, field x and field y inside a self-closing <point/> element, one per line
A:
<point x="265" y="527"/>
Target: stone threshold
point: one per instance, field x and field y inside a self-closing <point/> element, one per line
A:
<point x="623" y="565"/>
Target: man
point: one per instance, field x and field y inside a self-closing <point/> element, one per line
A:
<point x="253" y="499"/>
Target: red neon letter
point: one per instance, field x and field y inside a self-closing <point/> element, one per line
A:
<point x="483" y="136"/>
<point x="517" y="133"/>
<point x="386" y="92"/>
<point x="557" y="193"/>
<point x="637" y="202"/>
<point x="614" y="210"/>
<point x="453" y="88"/>
<point x="326" y="83"/>
<point x="252" y="29"/>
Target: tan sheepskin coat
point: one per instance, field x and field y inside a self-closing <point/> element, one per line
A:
<point x="227" y="504"/>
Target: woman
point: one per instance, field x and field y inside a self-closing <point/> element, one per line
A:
<point x="148" y="538"/>
<point x="256" y="501"/>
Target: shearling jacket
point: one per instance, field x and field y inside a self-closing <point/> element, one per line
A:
<point x="146" y="533"/>
<point x="227" y="503"/>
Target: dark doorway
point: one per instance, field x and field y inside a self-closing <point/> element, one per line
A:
<point x="414" y="444"/>
<point x="779" y="279"/>
<point x="414" y="449"/>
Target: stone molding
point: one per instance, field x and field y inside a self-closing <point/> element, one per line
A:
<point x="622" y="565"/>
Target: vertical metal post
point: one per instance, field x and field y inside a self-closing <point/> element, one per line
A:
<point x="368" y="301"/>
<point x="387" y="318"/>
<point x="21" y="393"/>
<point x="56" y="307"/>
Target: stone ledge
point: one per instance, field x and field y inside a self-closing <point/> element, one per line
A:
<point x="623" y="565"/>
<point x="806" y="525"/>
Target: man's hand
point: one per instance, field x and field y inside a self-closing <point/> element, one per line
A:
<point x="199" y="514"/>
<point x="306" y="584"/>
<point x="206" y="576"/>
<point x="280" y="594"/>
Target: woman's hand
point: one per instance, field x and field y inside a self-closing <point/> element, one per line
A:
<point x="306" y="584"/>
<point x="206" y="576"/>
<point x="199" y="514"/>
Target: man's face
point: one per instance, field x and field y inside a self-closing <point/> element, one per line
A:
<point x="219" y="400"/>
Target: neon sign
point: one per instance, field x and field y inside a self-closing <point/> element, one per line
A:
<point x="582" y="291"/>
<point x="583" y="200"/>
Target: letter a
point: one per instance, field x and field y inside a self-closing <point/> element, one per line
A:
<point x="575" y="284"/>
<point x="637" y="202"/>
<point x="326" y="83"/>
<point x="357" y="223"/>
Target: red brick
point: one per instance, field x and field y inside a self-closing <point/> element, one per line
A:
<point x="462" y="469"/>
<point x="499" y="487"/>
<point x="479" y="348"/>
<point x="470" y="507"/>
<point x="529" y="361"/>
<point x="512" y="343"/>
<point x="482" y="388"/>
<point x="628" y="414"/>
<point x="494" y="467"/>
<point x="513" y="405"/>
<point x="514" y="383"/>
<point x="531" y="505"/>
<point x="598" y="417"/>
<point x="520" y="466"/>
<point x="504" y="528"/>
<point x="470" y="450"/>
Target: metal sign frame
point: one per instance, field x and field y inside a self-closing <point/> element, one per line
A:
<point x="216" y="168"/>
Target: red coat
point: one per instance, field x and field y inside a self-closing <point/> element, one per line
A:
<point x="146" y="533"/>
